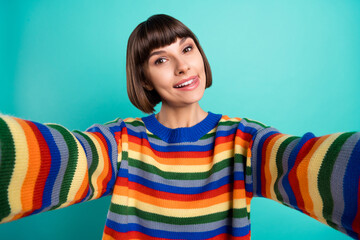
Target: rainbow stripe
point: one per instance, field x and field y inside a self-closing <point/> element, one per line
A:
<point x="185" y="183"/>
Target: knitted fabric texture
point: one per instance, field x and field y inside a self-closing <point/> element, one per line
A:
<point x="184" y="183"/>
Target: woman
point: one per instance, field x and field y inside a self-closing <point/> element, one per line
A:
<point x="182" y="173"/>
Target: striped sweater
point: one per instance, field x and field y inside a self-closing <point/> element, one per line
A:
<point x="184" y="183"/>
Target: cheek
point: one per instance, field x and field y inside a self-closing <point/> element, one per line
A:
<point x="159" y="78"/>
<point x="201" y="67"/>
<point x="200" y="63"/>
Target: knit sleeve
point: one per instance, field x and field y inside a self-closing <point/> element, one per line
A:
<point x="45" y="166"/>
<point x="318" y="176"/>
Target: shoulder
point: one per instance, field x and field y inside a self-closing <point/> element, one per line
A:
<point x="243" y="124"/>
<point x="136" y="120"/>
<point x="225" y="119"/>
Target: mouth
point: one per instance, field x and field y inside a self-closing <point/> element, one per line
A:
<point x="187" y="82"/>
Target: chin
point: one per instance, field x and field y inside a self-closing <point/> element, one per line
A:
<point x="196" y="98"/>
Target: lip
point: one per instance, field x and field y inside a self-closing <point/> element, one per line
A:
<point x="191" y="86"/>
<point x="185" y="80"/>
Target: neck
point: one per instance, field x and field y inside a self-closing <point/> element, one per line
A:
<point x="187" y="116"/>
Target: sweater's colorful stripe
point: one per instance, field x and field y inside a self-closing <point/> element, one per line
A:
<point x="191" y="192"/>
<point x="45" y="167"/>
<point x="166" y="189"/>
<point x="318" y="176"/>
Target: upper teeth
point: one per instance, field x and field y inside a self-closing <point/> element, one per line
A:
<point x="185" y="83"/>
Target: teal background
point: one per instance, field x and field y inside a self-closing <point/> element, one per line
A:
<point x="294" y="65"/>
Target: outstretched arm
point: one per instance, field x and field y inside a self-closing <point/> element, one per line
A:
<point x="318" y="176"/>
<point x="45" y="166"/>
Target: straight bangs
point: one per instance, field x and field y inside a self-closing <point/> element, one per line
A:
<point x="156" y="33"/>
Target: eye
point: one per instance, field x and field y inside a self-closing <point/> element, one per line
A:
<point x="190" y="47"/>
<point x="160" y="60"/>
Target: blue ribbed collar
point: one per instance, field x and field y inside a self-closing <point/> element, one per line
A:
<point x="184" y="134"/>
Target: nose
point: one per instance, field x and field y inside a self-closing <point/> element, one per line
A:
<point x="181" y="66"/>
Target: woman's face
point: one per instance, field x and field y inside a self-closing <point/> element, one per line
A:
<point x="177" y="73"/>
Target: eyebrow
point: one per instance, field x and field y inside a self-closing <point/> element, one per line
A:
<point x="162" y="51"/>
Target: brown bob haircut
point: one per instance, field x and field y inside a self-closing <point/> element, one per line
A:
<point x="157" y="31"/>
